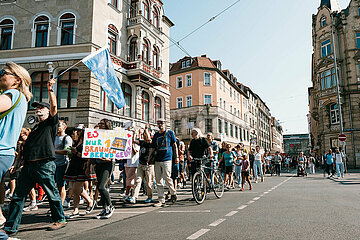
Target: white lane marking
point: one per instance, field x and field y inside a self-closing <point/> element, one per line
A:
<point x="266" y="192"/>
<point x="261" y="195"/>
<point x="242" y="207"/>
<point x="231" y="213"/>
<point x="198" y="234"/>
<point x="123" y="212"/>
<point x="250" y="202"/>
<point x="175" y="211"/>
<point x="217" y="222"/>
<point x="256" y="198"/>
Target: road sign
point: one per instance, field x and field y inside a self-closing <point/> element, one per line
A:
<point x="342" y="137"/>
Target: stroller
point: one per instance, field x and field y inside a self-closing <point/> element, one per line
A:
<point x="301" y="169"/>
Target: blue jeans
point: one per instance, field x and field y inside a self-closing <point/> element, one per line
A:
<point x="238" y="174"/>
<point x="258" y="169"/>
<point x="340" y="169"/>
<point x="59" y="175"/>
<point x="43" y="173"/>
<point x="5" y="163"/>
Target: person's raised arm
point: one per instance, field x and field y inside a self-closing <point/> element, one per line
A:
<point x="5" y="102"/>
<point x="52" y="97"/>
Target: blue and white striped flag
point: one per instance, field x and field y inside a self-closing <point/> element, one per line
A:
<point x="101" y="65"/>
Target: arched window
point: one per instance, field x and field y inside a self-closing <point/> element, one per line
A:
<point x="105" y="103"/>
<point x="41" y="25"/>
<point x="156" y="54"/>
<point x="146" y="52"/>
<point x="334" y="114"/>
<point x="133" y="51"/>
<point x="323" y="22"/>
<point x="156" y="17"/>
<point x="133" y="8"/>
<point x="126" y="111"/>
<point x="39" y="87"/>
<point x="146" y="9"/>
<point x="157" y="108"/>
<point x="67" y="89"/>
<point x="145" y="100"/>
<point x="67" y="25"/>
<point x="112" y="38"/>
<point x="6" y="30"/>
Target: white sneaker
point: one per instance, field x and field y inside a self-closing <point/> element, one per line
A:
<point x="66" y="204"/>
<point x="132" y="200"/>
<point x="31" y="208"/>
<point x="81" y="201"/>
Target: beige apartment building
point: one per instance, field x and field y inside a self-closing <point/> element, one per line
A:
<point x="324" y="107"/>
<point x="47" y="37"/>
<point x="205" y="96"/>
<point x="264" y="125"/>
<point x="277" y="141"/>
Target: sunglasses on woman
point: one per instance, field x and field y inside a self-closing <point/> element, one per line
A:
<point x="4" y="72"/>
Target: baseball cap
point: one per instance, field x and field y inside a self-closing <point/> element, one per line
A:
<point x="38" y="104"/>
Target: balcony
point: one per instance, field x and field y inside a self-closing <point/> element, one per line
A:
<point x="140" y="20"/>
<point x="139" y="70"/>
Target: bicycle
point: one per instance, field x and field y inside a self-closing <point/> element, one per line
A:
<point x="201" y="185"/>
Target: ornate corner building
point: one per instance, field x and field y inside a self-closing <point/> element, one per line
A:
<point x="344" y="40"/>
<point x="47" y="38"/>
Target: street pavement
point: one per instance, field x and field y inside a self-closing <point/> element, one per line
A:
<point x="285" y="207"/>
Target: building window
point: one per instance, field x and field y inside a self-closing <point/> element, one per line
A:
<point x="358" y="40"/>
<point x="112" y="38"/>
<point x="208" y="126"/>
<point x="6" y="31"/>
<point x="146" y="9"/>
<point x="220" y="103"/>
<point x="186" y="63"/>
<point x="220" y="126"/>
<point x="334" y="114"/>
<point x="156" y="54"/>
<point x="325" y="48"/>
<point x="105" y="102"/>
<point x="114" y="3"/>
<point x="145" y="53"/>
<point x="67" y="24"/>
<point x="179" y="82"/>
<point x="133" y="50"/>
<point x="207" y="99"/>
<point x="188" y="80"/>
<point x="157" y="108"/>
<point x="323" y="22"/>
<point x="133" y="8"/>
<point x="226" y="128"/>
<point x="39" y="87"/>
<point x="236" y="132"/>
<point x="156" y="17"/>
<point x="127" y="91"/>
<point x="231" y="130"/>
<point x="179" y="102"/>
<point x="224" y="85"/>
<point x="41" y="25"/>
<point x="230" y="92"/>
<point x="177" y="127"/>
<point x="247" y="136"/>
<point x="145" y="100"/>
<point x="188" y="101"/>
<point x="191" y="124"/>
<point x="230" y="109"/>
<point x="224" y="105"/>
<point x="207" y="79"/>
<point x="328" y="79"/>
<point x="67" y="89"/>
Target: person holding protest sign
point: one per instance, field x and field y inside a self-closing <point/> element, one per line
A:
<point x="39" y="166"/>
<point x="164" y="143"/>
<point x="103" y="170"/>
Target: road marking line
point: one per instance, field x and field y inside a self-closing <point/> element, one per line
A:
<point x="123" y="212"/>
<point x="174" y="211"/>
<point x="242" y="207"/>
<point x="231" y="213"/>
<point x="266" y="192"/>
<point x="256" y="198"/>
<point x="261" y="195"/>
<point x="217" y="222"/>
<point x="198" y="233"/>
<point x="250" y="202"/>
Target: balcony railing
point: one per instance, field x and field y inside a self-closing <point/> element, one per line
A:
<point x="140" y="19"/>
<point x="141" y="65"/>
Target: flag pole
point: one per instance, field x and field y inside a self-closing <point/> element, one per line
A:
<point x="67" y="69"/>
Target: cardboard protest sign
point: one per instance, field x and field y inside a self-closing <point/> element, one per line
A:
<point x="107" y="143"/>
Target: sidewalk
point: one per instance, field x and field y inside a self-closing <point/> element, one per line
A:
<point x="35" y="223"/>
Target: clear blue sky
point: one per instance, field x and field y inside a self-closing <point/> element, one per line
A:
<point x="266" y="44"/>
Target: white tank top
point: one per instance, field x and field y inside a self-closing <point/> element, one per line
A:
<point x="257" y="156"/>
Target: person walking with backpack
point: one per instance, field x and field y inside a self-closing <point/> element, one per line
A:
<point x="63" y="144"/>
<point x="163" y="145"/>
<point x="339" y="163"/>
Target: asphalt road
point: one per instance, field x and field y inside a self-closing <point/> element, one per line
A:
<point x="285" y="207"/>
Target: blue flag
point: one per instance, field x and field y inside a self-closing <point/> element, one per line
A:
<point x="101" y="65"/>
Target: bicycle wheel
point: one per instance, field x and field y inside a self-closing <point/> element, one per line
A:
<point x="218" y="184"/>
<point x="198" y="187"/>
